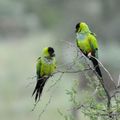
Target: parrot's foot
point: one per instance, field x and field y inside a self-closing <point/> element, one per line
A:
<point x="89" y="55"/>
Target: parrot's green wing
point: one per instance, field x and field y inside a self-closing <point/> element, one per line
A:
<point x="38" y="68"/>
<point x="94" y="44"/>
<point x="77" y="43"/>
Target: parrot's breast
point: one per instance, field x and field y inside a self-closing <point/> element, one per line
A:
<point x="48" y="66"/>
<point x="83" y="43"/>
<point x="81" y="37"/>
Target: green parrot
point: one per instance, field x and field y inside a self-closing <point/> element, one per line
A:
<point x="86" y="41"/>
<point x="46" y="65"/>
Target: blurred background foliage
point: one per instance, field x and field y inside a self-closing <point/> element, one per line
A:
<point x="27" y="26"/>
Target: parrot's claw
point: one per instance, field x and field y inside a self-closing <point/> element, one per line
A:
<point x="89" y="55"/>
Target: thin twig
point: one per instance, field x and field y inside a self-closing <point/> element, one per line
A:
<point x="39" y="117"/>
<point x="77" y="71"/>
<point x="55" y="82"/>
<point x="34" y="106"/>
<point x="31" y="77"/>
<point x="30" y="83"/>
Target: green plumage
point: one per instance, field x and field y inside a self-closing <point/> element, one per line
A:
<point x="87" y="43"/>
<point x="45" y="67"/>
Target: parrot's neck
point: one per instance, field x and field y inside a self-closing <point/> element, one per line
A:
<point x="47" y="60"/>
<point x="81" y="36"/>
<point x="82" y="33"/>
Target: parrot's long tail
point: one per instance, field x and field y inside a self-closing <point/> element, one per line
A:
<point x="39" y="88"/>
<point x="96" y="66"/>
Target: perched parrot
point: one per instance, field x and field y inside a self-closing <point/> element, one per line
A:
<point x="86" y="41"/>
<point x="46" y="65"/>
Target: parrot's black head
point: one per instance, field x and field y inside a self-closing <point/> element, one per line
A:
<point x="77" y="27"/>
<point x="51" y="51"/>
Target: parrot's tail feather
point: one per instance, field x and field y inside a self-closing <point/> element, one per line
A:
<point x="39" y="88"/>
<point x="96" y="66"/>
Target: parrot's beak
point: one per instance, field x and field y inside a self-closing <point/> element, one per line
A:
<point x="52" y="55"/>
